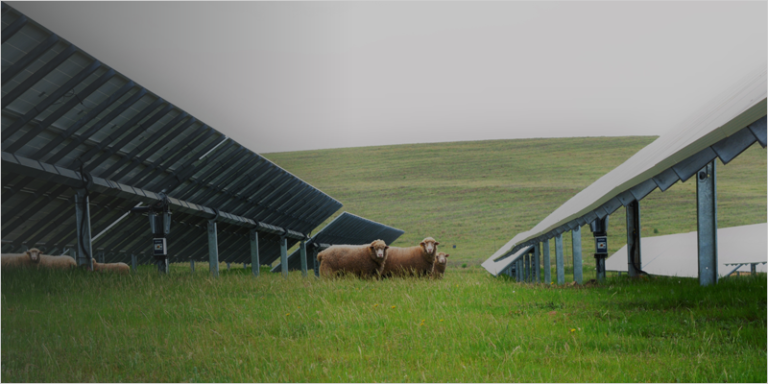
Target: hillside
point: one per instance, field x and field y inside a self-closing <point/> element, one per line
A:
<point x="478" y="195"/>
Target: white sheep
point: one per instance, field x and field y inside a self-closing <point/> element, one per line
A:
<point x="29" y="258"/>
<point x="111" y="267"/>
<point x="57" y="262"/>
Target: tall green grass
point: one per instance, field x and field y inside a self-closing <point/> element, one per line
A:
<point x="478" y="195"/>
<point x="468" y="327"/>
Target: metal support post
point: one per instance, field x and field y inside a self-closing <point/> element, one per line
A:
<point x="101" y="256"/>
<point x="600" y="267"/>
<point x="255" y="263"/>
<point x="133" y="262"/>
<point x="245" y="265"/>
<point x="634" y="259"/>
<point x="559" y="267"/>
<point x="162" y="265"/>
<point x="547" y="264"/>
<point x="213" y="249"/>
<point x="706" y="213"/>
<point x="284" y="255"/>
<point x="530" y="267"/>
<point x="192" y="266"/>
<point x="753" y="269"/>
<point x="600" y="233"/>
<point x="577" y="264"/>
<point x="526" y="267"/>
<point x="83" y="222"/>
<point x="537" y="263"/>
<point x="228" y="265"/>
<point x="303" y="254"/>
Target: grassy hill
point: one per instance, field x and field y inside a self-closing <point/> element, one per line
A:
<point x="478" y="195"/>
<point x="77" y="326"/>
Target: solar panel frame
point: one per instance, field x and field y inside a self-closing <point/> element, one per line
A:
<point x="62" y="110"/>
<point x="674" y="156"/>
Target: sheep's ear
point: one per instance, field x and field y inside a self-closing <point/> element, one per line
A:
<point x="446" y="255"/>
<point x="422" y="243"/>
<point x="386" y="247"/>
<point x="436" y="243"/>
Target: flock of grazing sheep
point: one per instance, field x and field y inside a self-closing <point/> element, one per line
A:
<point x="373" y="260"/>
<point x="34" y="258"/>
<point x="378" y="260"/>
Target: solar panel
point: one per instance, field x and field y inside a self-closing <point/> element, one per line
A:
<point x="677" y="255"/>
<point x="344" y="229"/>
<point x="723" y="128"/>
<point x="64" y="111"/>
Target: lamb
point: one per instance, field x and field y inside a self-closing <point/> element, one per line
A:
<point x="57" y="262"/>
<point x="122" y="268"/>
<point x="438" y="267"/>
<point x="361" y="260"/>
<point x="29" y="258"/>
<point x="416" y="260"/>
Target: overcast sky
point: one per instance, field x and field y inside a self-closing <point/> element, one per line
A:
<point x="292" y="76"/>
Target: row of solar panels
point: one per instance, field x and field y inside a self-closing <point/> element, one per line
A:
<point x="723" y="129"/>
<point x="67" y="117"/>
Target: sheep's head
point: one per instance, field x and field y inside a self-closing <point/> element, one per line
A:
<point x="440" y="258"/>
<point x="430" y="245"/>
<point x="379" y="249"/>
<point x="34" y="255"/>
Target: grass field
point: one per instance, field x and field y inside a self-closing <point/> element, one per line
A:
<point x="468" y="327"/>
<point x="479" y="195"/>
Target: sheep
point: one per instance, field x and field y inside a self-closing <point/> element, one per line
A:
<point x="29" y="258"/>
<point x="122" y="268"/>
<point x="360" y="260"/>
<point x="57" y="262"/>
<point x="438" y="267"/>
<point x="416" y="260"/>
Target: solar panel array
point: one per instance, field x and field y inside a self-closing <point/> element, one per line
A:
<point x="722" y="129"/>
<point x="345" y="229"/>
<point x="63" y="111"/>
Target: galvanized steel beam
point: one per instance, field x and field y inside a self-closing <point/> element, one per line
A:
<point x="706" y="214"/>
<point x="634" y="255"/>
<point x="577" y="260"/>
<point x="254" y="241"/>
<point x="83" y="218"/>
<point x="284" y="255"/>
<point x="560" y="267"/>
<point x="547" y="264"/>
<point x="213" y="249"/>
<point x="537" y="263"/>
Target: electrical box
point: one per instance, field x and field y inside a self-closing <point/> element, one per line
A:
<point x="160" y="248"/>
<point x="601" y="245"/>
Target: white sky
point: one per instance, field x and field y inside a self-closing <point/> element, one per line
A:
<point x="306" y="75"/>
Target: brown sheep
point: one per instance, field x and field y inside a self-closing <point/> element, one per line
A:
<point x="416" y="260"/>
<point x="438" y="267"/>
<point x="29" y="258"/>
<point x="360" y="260"/>
<point x="122" y="268"/>
<point x="57" y="262"/>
